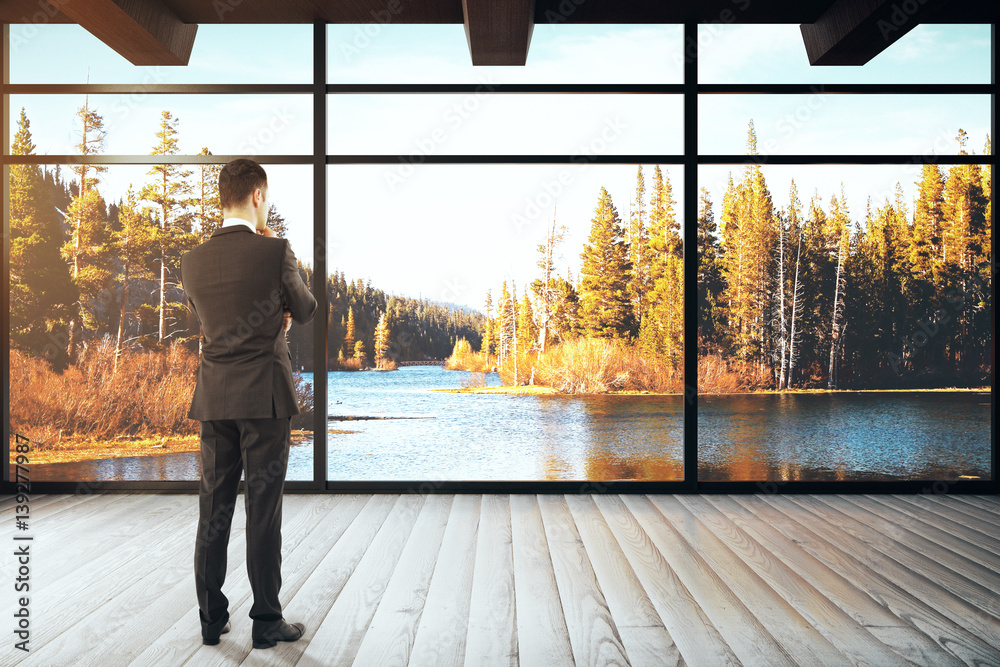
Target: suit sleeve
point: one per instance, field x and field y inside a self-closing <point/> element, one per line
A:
<point x="187" y="299"/>
<point x="296" y="296"/>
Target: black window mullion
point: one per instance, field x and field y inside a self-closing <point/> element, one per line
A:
<point x="690" y="247"/>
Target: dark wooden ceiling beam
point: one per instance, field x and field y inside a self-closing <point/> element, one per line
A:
<point x="852" y="32"/>
<point x="145" y="32"/>
<point x="499" y="31"/>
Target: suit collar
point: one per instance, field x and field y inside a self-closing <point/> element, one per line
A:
<point x="230" y="230"/>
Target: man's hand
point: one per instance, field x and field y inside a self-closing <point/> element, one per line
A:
<point x="286" y="320"/>
<point x="267" y="232"/>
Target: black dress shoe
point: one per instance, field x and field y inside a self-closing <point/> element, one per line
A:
<point x="212" y="641"/>
<point x="267" y="636"/>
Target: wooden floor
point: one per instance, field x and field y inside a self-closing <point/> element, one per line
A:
<point x="545" y="580"/>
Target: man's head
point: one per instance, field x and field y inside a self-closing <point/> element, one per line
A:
<point x="243" y="191"/>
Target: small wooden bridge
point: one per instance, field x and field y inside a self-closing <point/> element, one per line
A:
<point x="429" y="362"/>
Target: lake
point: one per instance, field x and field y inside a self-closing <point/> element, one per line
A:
<point x="392" y="426"/>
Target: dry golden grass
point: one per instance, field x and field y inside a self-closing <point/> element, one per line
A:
<point x="148" y="395"/>
<point x="386" y="364"/>
<point x="474" y="380"/>
<point x="353" y="364"/>
<point x="592" y="366"/>
<point x="718" y="375"/>
<point x="464" y="359"/>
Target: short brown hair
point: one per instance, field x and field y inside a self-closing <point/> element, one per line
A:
<point x="237" y="181"/>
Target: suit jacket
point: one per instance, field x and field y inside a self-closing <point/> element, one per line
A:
<point x="237" y="283"/>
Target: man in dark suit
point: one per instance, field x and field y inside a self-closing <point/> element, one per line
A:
<point x="243" y="285"/>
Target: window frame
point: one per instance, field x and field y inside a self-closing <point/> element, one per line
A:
<point x="320" y="89"/>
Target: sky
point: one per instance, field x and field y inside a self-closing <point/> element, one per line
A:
<point x="450" y="232"/>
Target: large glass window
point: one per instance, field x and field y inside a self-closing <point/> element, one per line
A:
<point x="532" y="318"/>
<point x="845" y="310"/>
<point x="508" y="252"/>
<point x="103" y="351"/>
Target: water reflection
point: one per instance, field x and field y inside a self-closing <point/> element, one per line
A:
<point x="757" y="437"/>
<point x="845" y="436"/>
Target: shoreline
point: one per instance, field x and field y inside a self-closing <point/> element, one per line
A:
<point x="72" y="450"/>
<point x="540" y="390"/>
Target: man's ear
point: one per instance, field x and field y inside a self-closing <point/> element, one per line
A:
<point x="258" y="197"/>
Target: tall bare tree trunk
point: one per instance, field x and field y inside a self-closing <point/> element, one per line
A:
<point x="831" y="380"/>
<point x="795" y="306"/>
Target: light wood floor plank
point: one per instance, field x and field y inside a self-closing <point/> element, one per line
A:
<point x="542" y="636"/>
<point x="956" y="537"/>
<point x="958" y="610"/>
<point x="988" y="503"/>
<point x="337" y="639"/>
<point x="953" y="512"/>
<point x="847" y="584"/>
<point x="492" y="626"/>
<point x="788" y="606"/>
<point x="331" y="516"/>
<point x="108" y="600"/>
<point x="464" y="579"/>
<point x="952" y="573"/>
<point x="389" y="637"/>
<point x="440" y="638"/>
<point x="85" y="568"/>
<point x="592" y="631"/>
<point x="238" y="641"/>
<point x="643" y="634"/>
<point x="177" y="644"/>
<point x="744" y="633"/>
<point x="698" y="640"/>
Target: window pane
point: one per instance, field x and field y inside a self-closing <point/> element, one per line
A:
<point x="841" y="124"/>
<point x="776" y="54"/>
<point x="94" y="387"/>
<point x="501" y="124"/>
<point x="382" y="53"/>
<point x="225" y="124"/>
<point x="430" y="251"/>
<point x="845" y="325"/>
<point x="281" y="54"/>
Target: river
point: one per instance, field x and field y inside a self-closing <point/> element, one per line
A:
<point x="392" y="426"/>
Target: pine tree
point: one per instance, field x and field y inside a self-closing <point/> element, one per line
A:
<point x="41" y="290"/>
<point x="489" y="346"/>
<point x="381" y="340"/>
<point x="545" y="289"/>
<point x="605" y="309"/>
<point x="640" y="285"/>
<point x="87" y="253"/>
<point x="748" y="238"/>
<point x="86" y="250"/>
<point x="349" y="334"/>
<point x="710" y="285"/>
<point x="527" y="332"/>
<point x="277" y="222"/>
<point x="505" y="322"/>
<point x="209" y="206"/>
<point x="134" y="244"/>
<point x="169" y="190"/>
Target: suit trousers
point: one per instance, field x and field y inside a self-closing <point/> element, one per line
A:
<point x="258" y="447"/>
